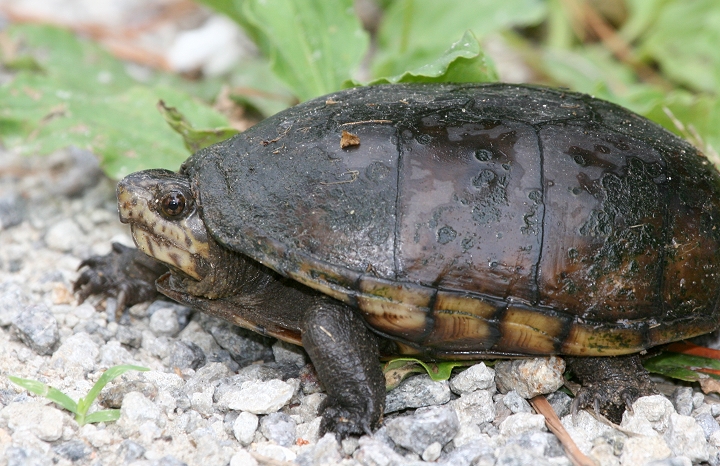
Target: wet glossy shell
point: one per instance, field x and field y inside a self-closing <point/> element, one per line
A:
<point x="478" y="219"/>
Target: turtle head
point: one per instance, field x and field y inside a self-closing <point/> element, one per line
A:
<point x="163" y="215"/>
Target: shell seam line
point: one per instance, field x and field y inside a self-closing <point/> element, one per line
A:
<point x="542" y="219"/>
<point x="396" y="232"/>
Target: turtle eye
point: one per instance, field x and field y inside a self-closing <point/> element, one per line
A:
<point x="173" y="204"/>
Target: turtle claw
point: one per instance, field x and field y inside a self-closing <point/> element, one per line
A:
<point x="344" y="422"/>
<point x="125" y="273"/>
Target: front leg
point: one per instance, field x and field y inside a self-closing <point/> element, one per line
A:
<point x="345" y="355"/>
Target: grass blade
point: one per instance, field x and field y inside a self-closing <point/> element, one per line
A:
<point x="52" y="394"/>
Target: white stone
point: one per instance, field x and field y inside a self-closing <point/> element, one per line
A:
<point x="260" y="397"/>
<point x="641" y="449"/>
<point x="78" y="351"/>
<point x="243" y="458"/>
<point x="530" y="377"/>
<point x="45" y="422"/>
<point x="521" y="422"/>
<point x="64" y="235"/>
<point x="244" y="427"/>
<point x="474" y="408"/>
<point x="649" y="412"/>
<point x="477" y="377"/>
<point x="686" y="438"/>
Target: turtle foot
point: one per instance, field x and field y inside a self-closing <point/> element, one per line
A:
<point x="126" y="274"/>
<point x="610" y="385"/>
<point x="344" y="422"/>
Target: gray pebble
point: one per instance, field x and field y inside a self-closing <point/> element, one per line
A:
<point x="416" y="392"/>
<point x="516" y="403"/>
<point x="278" y="428"/>
<point x="164" y="322"/>
<point x="78" y="352"/>
<point x="530" y="377"/>
<point x="424" y="427"/>
<point x="325" y="452"/>
<point x="20" y="456"/>
<point x="64" y="235"/>
<point x="210" y="374"/>
<point x="12" y="302"/>
<point x="37" y="327"/>
<point x="243" y="345"/>
<point x="130" y="451"/>
<point x="475" y="408"/>
<point x="287" y="353"/>
<point x="12" y="211"/>
<point x="686" y="438"/>
<point x="683" y="400"/>
<point x="560" y="402"/>
<point x="73" y="450"/>
<point x="186" y="354"/>
<point x="707" y="423"/>
<point x="676" y="461"/>
<point x="542" y="444"/>
<point x="476" y="453"/>
<point x="128" y="335"/>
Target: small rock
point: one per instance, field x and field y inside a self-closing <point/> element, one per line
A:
<point x="650" y="415"/>
<point x="683" y="400"/>
<point x="416" y="392"/>
<point x="45" y="422"/>
<point x="37" y="327"/>
<point x="186" y="354"/>
<point x="278" y="428"/>
<point x="164" y="322"/>
<point x="372" y="451"/>
<point x="275" y="452"/>
<point x="243" y="458"/>
<point x="530" y="377"/>
<point x="426" y="426"/>
<point x="12" y="302"/>
<point x="73" y="450"/>
<point x="209" y="374"/>
<point x="542" y="444"/>
<point x="78" y="351"/>
<point x="287" y="353"/>
<point x="12" y="211"/>
<point x="260" y="397"/>
<point x="641" y="450"/>
<point x="113" y="354"/>
<point x="325" y="452"/>
<point x="130" y="451"/>
<point x="474" y="453"/>
<point x="432" y="452"/>
<point x="475" y="408"/>
<point x="515" y="455"/>
<point x="560" y="402"/>
<point x="707" y="423"/>
<point x="521" y="422"/>
<point x="128" y="335"/>
<point x="243" y="345"/>
<point x="64" y="235"/>
<point x="20" y="456"/>
<point x="477" y="377"/>
<point x="136" y="410"/>
<point x="677" y="461"/>
<point x="584" y="428"/>
<point x="516" y="403"/>
<point x="244" y="427"/>
<point x="686" y="438"/>
<point x="309" y="431"/>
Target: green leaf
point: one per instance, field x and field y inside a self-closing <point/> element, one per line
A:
<point x="52" y="394"/>
<point x="83" y="97"/>
<point x="681" y="366"/>
<point x="194" y="139"/>
<point x="684" y="40"/>
<point x="107" y="376"/>
<point x="106" y="415"/>
<point x="415" y="32"/>
<point x="313" y="45"/>
<point x="401" y="368"/>
<point x="464" y="61"/>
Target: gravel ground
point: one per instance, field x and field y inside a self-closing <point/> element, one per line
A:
<point x="219" y="395"/>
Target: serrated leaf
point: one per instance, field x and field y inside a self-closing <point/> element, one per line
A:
<point x="464" y="61"/>
<point x="415" y="32"/>
<point x="44" y="390"/>
<point x="682" y="366"/>
<point x="106" y="415"/>
<point x="194" y="139"/>
<point x="313" y="45"/>
<point x="83" y="97"/>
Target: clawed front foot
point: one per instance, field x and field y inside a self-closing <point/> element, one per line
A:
<point x="126" y="274"/>
<point x="610" y="385"/>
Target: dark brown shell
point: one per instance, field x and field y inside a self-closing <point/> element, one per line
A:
<point x="476" y="219"/>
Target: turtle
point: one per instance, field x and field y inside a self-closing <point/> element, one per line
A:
<point x="439" y="221"/>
